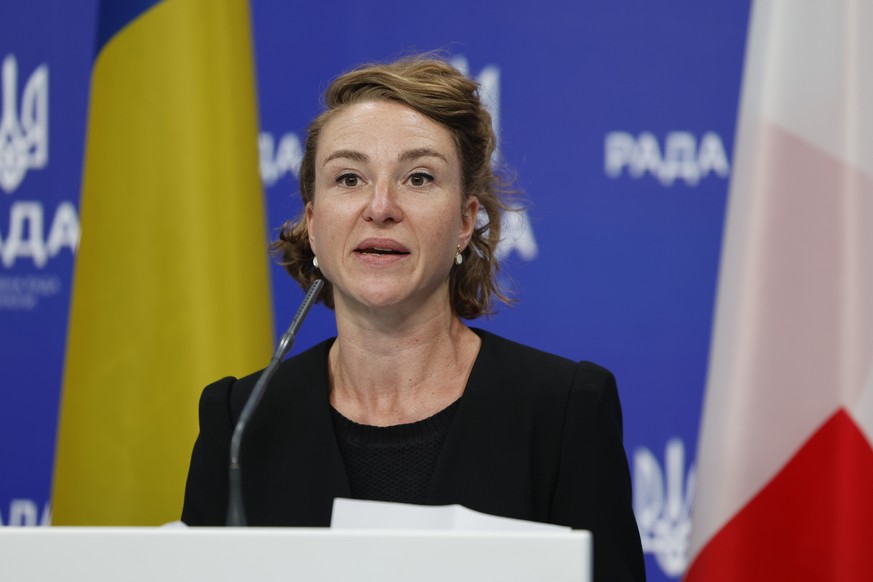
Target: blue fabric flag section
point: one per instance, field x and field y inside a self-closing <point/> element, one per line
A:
<point x="115" y="15"/>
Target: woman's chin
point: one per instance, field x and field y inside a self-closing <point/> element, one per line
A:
<point x="375" y="298"/>
<point x="384" y="299"/>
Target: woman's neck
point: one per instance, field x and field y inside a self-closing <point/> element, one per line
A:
<point x="386" y="375"/>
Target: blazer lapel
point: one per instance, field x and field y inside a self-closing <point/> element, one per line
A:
<point x="460" y="476"/>
<point x="487" y="459"/>
<point x="300" y="469"/>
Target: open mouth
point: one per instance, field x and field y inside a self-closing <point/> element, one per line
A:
<point x="380" y="251"/>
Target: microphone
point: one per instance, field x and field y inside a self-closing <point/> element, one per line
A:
<point x="236" y="515"/>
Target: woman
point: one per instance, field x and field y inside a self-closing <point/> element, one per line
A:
<point x="407" y="403"/>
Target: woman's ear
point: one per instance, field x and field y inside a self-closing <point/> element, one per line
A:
<point x="469" y="217"/>
<point x="310" y="232"/>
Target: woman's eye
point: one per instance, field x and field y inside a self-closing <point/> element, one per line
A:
<point x="420" y="179"/>
<point x="348" y="180"/>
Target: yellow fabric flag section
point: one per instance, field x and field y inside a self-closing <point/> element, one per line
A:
<point x="171" y="283"/>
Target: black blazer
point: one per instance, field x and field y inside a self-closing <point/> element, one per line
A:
<point x="534" y="437"/>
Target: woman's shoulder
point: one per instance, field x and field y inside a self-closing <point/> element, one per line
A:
<point x="300" y="368"/>
<point x="516" y="354"/>
<point x="519" y="364"/>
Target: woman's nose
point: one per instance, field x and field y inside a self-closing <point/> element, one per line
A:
<point x="383" y="205"/>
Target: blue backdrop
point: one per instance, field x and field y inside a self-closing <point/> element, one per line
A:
<point x="617" y="116"/>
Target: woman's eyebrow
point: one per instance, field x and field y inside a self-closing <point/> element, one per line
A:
<point x="414" y="154"/>
<point x="353" y="155"/>
<point x="407" y="156"/>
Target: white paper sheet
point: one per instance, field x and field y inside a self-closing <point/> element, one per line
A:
<point x="358" y="514"/>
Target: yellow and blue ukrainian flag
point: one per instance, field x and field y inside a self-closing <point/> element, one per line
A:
<point x="171" y="280"/>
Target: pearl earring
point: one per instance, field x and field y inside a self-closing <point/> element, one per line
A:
<point x="459" y="258"/>
<point x="315" y="262"/>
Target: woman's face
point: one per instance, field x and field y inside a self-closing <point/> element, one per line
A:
<point x="388" y="212"/>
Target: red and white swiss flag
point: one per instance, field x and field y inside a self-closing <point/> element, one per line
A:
<point x="785" y="482"/>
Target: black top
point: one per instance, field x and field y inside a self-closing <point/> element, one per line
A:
<point x="392" y="463"/>
<point x="534" y="437"/>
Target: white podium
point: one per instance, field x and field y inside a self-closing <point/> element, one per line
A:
<point x="103" y="554"/>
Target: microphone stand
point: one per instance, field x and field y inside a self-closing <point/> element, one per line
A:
<point x="236" y="515"/>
